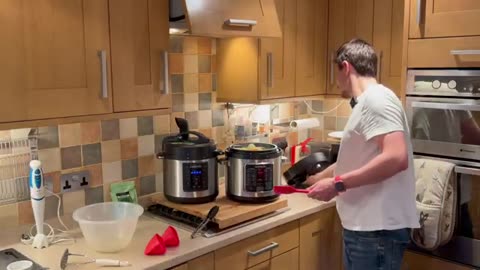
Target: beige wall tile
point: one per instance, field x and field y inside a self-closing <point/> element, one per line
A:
<point x="175" y="63"/>
<point x="146" y="145"/>
<point x="344" y="110"/>
<point x="90" y="132"/>
<point x="205" y="119"/>
<point x="190" y="83"/>
<point x="146" y="166"/>
<point x="190" y="45"/>
<point x="330" y="104"/>
<point x="190" y="102"/>
<point x="330" y="123"/>
<point x="54" y="177"/>
<point x="128" y="128"/>
<point x="129" y="148"/>
<point x="96" y="175"/>
<point x="25" y="213"/>
<point x="205" y="82"/>
<point x="158" y="164"/>
<point x="72" y="201"/>
<point x="111" y="151"/>
<point x="19" y="133"/>
<point x="161" y="124"/>
<point x="70" y="135"/>
<point x="285" y="110"/>
<point x="112" y="172"/>
<point x="206" y="131"/>
<point x="5" y="135"/>
<point x="9" y="214"/>
<point x="190" y="64"/>
<point x="205" y="45"/>
<point x="50" y="159"/>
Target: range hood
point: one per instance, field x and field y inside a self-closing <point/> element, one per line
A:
<point x="224" y="18"/>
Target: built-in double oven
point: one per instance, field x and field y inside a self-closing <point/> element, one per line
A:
<point x="443" y="110"/>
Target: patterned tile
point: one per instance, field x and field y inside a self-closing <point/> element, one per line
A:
<point x="177" y="103"/>
<point x="330" y="123"/>
<point x="129" y="168"/>
<point x="146" y="165"/>
<point x="190" y="83"/>
<point x="175" y="63"/>
<point x="111" y="151"/>
<point x="71" y="157"/>
<point x="176" y="44"/>
<point x="204" y="64"/>
<point x="177" y="83"/>
<point x="53" y="179"/>
<point x="147" y="185"/>
<point x="9" y="215"/>
<point x="161" y="124"/>
<point x="110" y="130"/>
<point x="70" y="135"/>
<point x="93" y="195"/>
<point x="129" y="148"/>
<point x="159" y="182"/>
<point x="128" y="128"/>
<point x="190" y="102"/>
<point x="145" y="125"/>
<point x="190" y="45"/>
<point x="218" y="118"/>
<point x="48" y="137"/>
<point x="205" y="45"/>
<point x="73" y="200"/>
<point x="192" y="118"/>
<point x="190" y="63"/>
<point x="90" y="132"/>
<point x="96" y="175"/>
<point x="112" y="172"/>
<point x="204" y="101"/>
<point x="146" y="145"/>
<point x="50" y="159"/>
<point x="205" y="82"/>
<point x="92" y="154"/>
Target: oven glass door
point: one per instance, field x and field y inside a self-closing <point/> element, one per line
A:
<point x="468" y="215"/>
<point x="445" y="126"/>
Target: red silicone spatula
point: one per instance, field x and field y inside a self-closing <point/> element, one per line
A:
<point x="288" y="190"/>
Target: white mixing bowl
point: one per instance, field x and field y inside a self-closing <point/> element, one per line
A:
<point x="108" y="226"/>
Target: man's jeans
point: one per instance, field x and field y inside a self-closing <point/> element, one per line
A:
<point x="374" y="250"/>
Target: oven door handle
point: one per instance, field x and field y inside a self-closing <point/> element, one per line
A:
<point x="445" y="106"/>
<point x="467" y="170"/>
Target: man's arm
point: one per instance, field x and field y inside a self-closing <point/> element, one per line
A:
<point x="327" y="173"/>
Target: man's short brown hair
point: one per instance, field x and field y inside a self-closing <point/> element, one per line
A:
<point x="360" y="54"/>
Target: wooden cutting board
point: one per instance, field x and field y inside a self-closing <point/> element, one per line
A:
<point x="231" y="213"/>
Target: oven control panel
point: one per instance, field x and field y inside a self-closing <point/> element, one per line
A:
<point x="259" y="177"/>
<point x="195" y="177"/>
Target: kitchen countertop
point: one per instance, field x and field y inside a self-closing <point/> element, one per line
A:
<point x="299" y="206"/>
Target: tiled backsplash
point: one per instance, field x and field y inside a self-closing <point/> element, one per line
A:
<point x="124" y="149"/>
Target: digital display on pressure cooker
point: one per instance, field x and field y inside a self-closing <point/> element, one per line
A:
<point x="259" y="177"/>
<point x="195" y="177"/>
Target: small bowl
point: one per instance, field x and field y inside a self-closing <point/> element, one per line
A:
<point x="108" y="226"/>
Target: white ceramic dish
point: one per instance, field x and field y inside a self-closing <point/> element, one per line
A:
<point x="336" y="134"/>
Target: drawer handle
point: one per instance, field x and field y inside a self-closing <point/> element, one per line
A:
<point x="166" y="84"/>
<point x="103" y="70"/>
<point x="465" y="52"/>
<point x="238" y="22"/>
<point x="270" y="247"/>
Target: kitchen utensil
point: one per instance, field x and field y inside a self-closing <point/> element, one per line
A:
<point x="190" y="166"/>
<point x="37" y="194"/>
<point x="100" y="262"/>
<point x="310" y="165"/>
<point x="108" y="226"/>
<point x="253" y="169"/>
<point x="210" y="216"/>
<point x="156" y="246"/>
<point x="170" y="237"/>
<point x="288" y="190"/>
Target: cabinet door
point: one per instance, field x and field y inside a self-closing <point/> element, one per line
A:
<point x="50" y="55"/>
<point x="415" y="261"/>
<point x="139" y="34"/>
<point x="206" y="262"/>
<point x="444" y="18"/>
<point x="277" y="56"/>
<point x="311" y="47"/>
<point x="320" y="241"/>
<point x="347" y="19"/>
<point x="387" y="40"/>
<point x="286" y="261"/>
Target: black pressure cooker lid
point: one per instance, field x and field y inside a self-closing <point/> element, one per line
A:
<point x="254" y="151"/>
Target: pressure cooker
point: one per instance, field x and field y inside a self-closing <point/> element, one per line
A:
<point x="190" y="169"/>
<point x="253" y="169"/>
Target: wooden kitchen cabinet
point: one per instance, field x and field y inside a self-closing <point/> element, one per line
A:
<point x="416" y="261"/>
<point x="205" y="262"/>
<point x="321" y="241"/>
<point x="444" y="18"/>
<point x="285" y="261"/>
<point x="139" y="38"/>
<point x="55" y="59"/>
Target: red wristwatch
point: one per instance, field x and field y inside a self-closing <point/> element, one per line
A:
<point x="339" y="185"/>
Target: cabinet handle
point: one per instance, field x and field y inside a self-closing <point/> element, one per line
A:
<point x="465" y="52"/>
<point x="332" y="69"/>
<point x="239" y="22"/>
<point x="103" y="69"/>
<point x="379" y="66"/>
<point x="272" y="246"/>
<point x="166" y="79"/>
<point x="269" y="70"/>
<point x="419" y="12"/>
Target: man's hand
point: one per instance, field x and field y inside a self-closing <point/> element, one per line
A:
<point x="323" y="190"/>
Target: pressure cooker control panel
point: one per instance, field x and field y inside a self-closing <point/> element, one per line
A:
<point x="259" y="177"/>
<point x="195" y="176"/>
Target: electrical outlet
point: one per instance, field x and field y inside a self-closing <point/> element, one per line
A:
<point x="74" y="181"/>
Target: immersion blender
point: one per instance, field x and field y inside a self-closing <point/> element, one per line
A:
<point x="37" y="194"/>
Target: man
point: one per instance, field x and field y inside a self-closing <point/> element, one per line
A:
<point x="373" y="177"/>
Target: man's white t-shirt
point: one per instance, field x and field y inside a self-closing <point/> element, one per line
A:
<point x="389" y="204"/>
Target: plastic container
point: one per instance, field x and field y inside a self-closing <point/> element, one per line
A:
<point x="109" y="226"/>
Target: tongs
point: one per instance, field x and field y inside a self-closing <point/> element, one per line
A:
<point x="210" y="216"/>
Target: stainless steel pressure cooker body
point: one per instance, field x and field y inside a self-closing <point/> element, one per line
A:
<point x="252" y="172"/>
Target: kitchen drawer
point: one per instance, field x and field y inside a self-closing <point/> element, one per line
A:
<point x="286" y="261"/>
<point x="205" y="262"/>
<point x="275" y="242"/>
<point x="415" y="261"/>
<point x="444" y="52"/>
